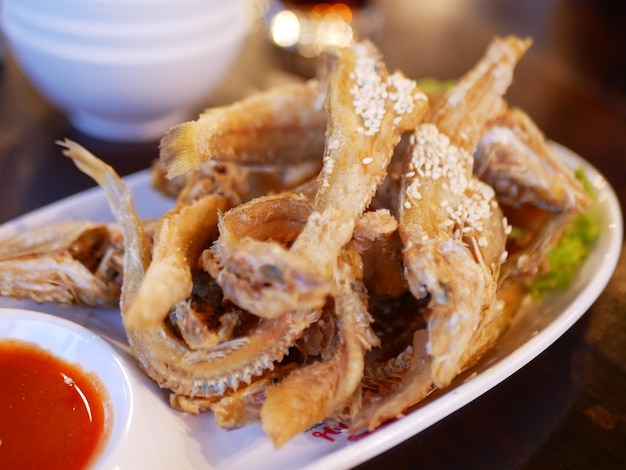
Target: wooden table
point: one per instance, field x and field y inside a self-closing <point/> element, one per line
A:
<point x="567" y="408"/>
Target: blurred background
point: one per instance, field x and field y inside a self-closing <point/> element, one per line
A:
<point x="579" y="41"/>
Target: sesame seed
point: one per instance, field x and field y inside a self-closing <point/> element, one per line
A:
<point x="523" y="259"/>
<point x="466" y="201"/>
<point x="370" y="92"/>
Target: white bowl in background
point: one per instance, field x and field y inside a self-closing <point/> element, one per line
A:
<point x="125" y="70"/>
<point x="75" y="344"/>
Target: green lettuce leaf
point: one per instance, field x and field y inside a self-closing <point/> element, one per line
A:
<point x="573" y="247"/>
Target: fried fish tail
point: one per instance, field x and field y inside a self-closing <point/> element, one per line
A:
<point x="467" y="106"/>
<point x="288" y="126"/>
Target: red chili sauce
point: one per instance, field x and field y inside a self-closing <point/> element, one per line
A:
<point x="52" y="413"/>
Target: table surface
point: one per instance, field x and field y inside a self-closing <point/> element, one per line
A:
<point x="567" y="408"/>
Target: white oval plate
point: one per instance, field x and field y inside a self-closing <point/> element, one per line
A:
<point x="161" y="438"/>
<point x="75" y="344"/>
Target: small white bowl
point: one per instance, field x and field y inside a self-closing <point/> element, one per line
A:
<point x="75" y="344"/>
<point x="125" y="70"/>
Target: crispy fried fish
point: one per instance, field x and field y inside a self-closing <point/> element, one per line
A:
<point x="368" y="111"/>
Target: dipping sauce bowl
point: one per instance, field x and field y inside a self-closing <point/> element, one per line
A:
<point x="65" y="397"/>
